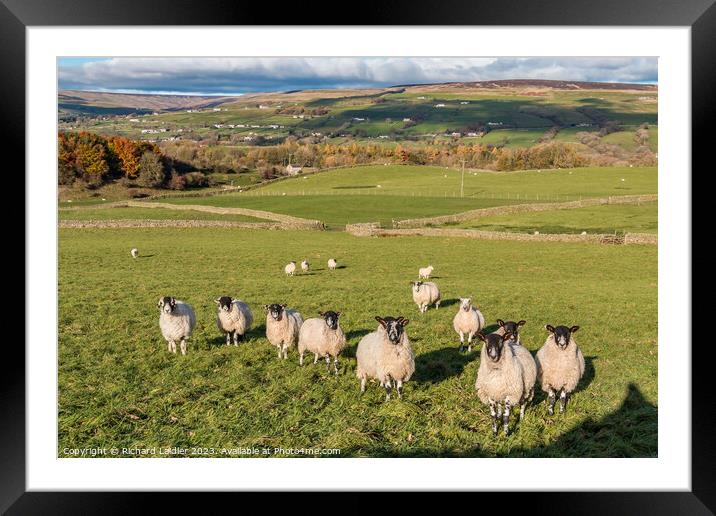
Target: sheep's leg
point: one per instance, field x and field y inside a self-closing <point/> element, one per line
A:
<point x="469" y="342"/>
<point x="335" y="365"/>
<point x="284" y="350"/>
<point x="462" y="341"/>
<point x="182" y="344"/>
<point x="169" y="346"/>
<point x="399" y="388"/>
<point x="493" y="413"/>
<point x="173" y="345"/>
<point x="506" y="418"/>
<point x="387" y="389"/>
<point x="328" y="362"/>
<point x="300" y="358"/>
<point x="362" y="385"/>
<point x="315" y="358"/>
<point x="437" y="304"/>
<point x="228" y="338"/>
<point x="562" y="401"/>
<point x="522" y="411"/>
<point x="551" y="398"/>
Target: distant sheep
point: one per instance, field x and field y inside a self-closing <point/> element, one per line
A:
<point x="282" y="327"/>
<point x="233" y="318"/>
<point x="323" y="337"/>
<point x="560" y="365"/>
<point x="386" y="355"/>
<point x="425" y="293"/>
<point x="290" y="268"/>
<point x="305" y="265"/>
<point x="176" y="321"/>
<point x="500" y="378"/>
<point x="467" y="321"/>
<point x="332" y="264"/>
<point x="425" y="272"/>
<point x="134" y="252"/>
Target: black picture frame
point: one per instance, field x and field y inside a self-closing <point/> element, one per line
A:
<point x="699" y="15"/>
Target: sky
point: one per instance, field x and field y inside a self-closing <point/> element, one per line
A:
<point x="235" y="76"/>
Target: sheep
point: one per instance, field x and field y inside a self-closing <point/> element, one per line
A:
<point x="500" y="378"/>
<point x="176" y="321"/>
<point x="290" y="268"/>
<point x="529" y="366"/>
<point x="386" y="355"/>
<point x="234" y="318"/>
<point x="468" y="320"/>
<point x="425" y="293"/>
<point x="332" y="264"/>
<point x="305" y="265"/>
<point x="560" y="365"/>
<point x="134" y="252"/>
<point x="322" y="336"/>
<point x="425" y="272"/>
<point x="282" y="327"/>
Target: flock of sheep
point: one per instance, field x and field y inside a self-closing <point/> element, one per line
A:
<point x="505" y="379"/>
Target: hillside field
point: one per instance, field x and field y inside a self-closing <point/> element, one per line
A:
<point x="118" y="385"/>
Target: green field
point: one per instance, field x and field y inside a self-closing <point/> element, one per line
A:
<point x="148" y="213"/>
<point x="118" y="386"/>
<point x="620" y="218"/>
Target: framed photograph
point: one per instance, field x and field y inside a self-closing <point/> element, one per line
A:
<point x="438" y="253"/>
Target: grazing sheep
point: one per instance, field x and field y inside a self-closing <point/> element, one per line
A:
<point x="234" y="318"/>
<point x="322" y="336"/>
<point x="468" y="320"/>
<point x="290" y="268"/>
<point x="332" y="264"/>
<point x="305" y="265"/>
<point x="386" y="355"/>
<point x="425" y="272"/>
<point x="500" y="378"/>
<point x="529" y="366"/>
<point x="177" y="321"/>
<point x="282" y="327"/>
<point x="134" y="252"/>
<point x="560" y="365"/>
<point x="425" y="293"/>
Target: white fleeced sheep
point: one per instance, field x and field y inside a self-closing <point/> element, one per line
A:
<point x="282" y="327"/>
<point x="425" y="293"/>
<point x="134" y="252"/>
<point x="560" y="365"/>
<point x="323" y="337"/>
<point x="467" y="321"/>
<point x="425" y="272"/>
<point x="290" y="268"/>
<point x="233" y="318"/>
<point x="305" y="265"/>
<point x="500" y="378"/>
<point x="332" y="264"/>
<point x="529" y="366"/>
<point x="176" y="321"/>
<point x="386" y="355"/>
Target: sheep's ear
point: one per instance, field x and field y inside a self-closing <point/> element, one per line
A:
<point x="381" y="321"/>
<point x="173" y="301"/>
<point x="338" y="314"/>
<point x="284" y="306"/>
<point x="521" y="322"/>
<point x="500" y="322"/>
<point x="159" y="303"/>
<point x="507" y="336"/>
<point x="481" y="337"/>
<point x="266" y="307"/>
<point x="404" y="322"/>
<point x="321" y="313"/>
<point x="549" y="328"/>
<point x="573" y="329"/>
<point x="217" y="300"/>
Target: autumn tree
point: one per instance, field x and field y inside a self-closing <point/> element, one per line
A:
<point x="151" y="170"/>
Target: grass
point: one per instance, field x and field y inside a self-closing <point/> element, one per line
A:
<point x="620" y="218"/>
<point x="148" y="213"/>
<point x="118" y="386"/>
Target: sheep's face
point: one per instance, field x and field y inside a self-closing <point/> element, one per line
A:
<point x="465" y="303"/>
<point x="495" y="344"/>
<point x="275" y="310"/>
<point x="331" y="319"/>
<point x="562" y="334"/>
<point x="393" y="327"/>
<point x="512" y="326"/>
<point x="417" y="285"/>
<point x="224" y="303"/>
<point x="167" y="304"/>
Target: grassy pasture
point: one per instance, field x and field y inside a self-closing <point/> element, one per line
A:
<point x="620" y="218"/>
<point x="118" y="385"/>
<point x="149" y="213"/>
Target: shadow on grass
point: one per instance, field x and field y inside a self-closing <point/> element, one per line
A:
<point x="146" y="255"/>
<point x="449" y="302"/>
<point x="629" y="431"/>
<point x="436" y="366"/>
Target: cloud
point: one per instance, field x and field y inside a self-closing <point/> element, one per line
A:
<point x="242" y="75"/>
